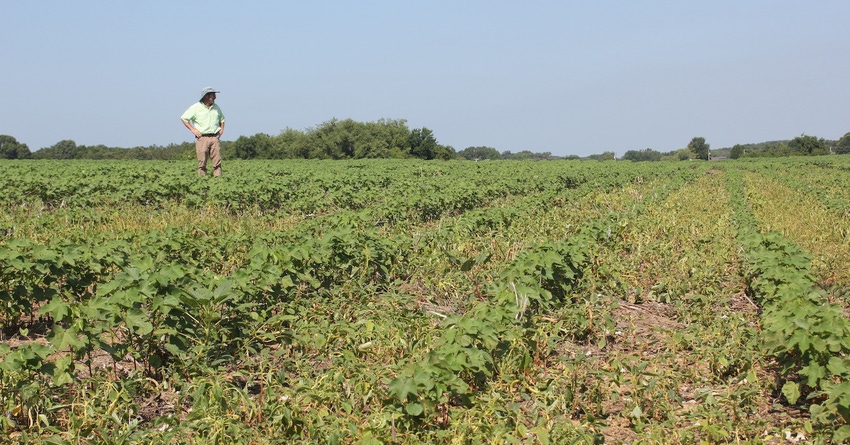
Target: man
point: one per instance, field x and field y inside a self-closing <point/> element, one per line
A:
<point x="206" y="121"/>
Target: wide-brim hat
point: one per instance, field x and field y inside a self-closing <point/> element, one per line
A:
<point x="208" y="90"/>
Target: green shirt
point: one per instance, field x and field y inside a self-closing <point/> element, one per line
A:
<point x="206" y="120"/>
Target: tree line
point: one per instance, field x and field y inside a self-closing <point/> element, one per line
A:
<point x="334" y="139"/>
<point x="391" y="138"/>
<point x="803" y="145"/>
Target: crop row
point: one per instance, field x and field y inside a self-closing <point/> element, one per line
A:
<point x="821" y="180"/>
<point x="807" y="334"/>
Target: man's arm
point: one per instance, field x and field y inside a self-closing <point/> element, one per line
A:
<point x="221" y="130"/>
<point x="192" y="129"/>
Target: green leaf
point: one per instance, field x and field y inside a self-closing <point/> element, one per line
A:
<point x="286" y="282"/>
<point x="402" y="386"/>
<point x="170" y="273"/>
<point x="841" y="435"/>
<point x="63" y="338"/>
<point x="223" y="289"/>
<point x="56" y="307"/>
<point x="467" y="265"/>
<point x="791" y="391"/>
<point x="43" y="253"/>
<point x="814" y="372"/>
<point x="61" y="376"/>
<point x="424" y="379"/>
<point x="137" y="321"/>
<point x="838" y="365"/>
<point x="542" y="435"/>
<point x="107" y="288"/>
<point x="414" y="408"/>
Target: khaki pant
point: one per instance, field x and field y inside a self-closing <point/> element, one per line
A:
<point x="208" y="146"/>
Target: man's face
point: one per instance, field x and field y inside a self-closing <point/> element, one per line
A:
<point x="209" y="99"/>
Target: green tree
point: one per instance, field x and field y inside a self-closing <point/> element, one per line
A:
<point x="349" y="139"/>
<point x="66" y="149"/>
<point x="10" y="148"/>
<point x="843" y="145"/>
<point x="645" y="155"/>
<point x="479" y="153"/>
<point x="423" y="145"/>
<point x="179" y="152"/>
<point x="604" y="156"/>
<point x="386" y="138"/>
<point x="524" y="155"/>
<point x="99" y="152"/>
<point x="736" y="151"/>
<point x="699" y="148"/>
<point x="808" y="146"/>
<point x="527" y="155"/>
<point x="257" y="146"/>
<point x="332" y="140"/>
<point x="291" y="144"/>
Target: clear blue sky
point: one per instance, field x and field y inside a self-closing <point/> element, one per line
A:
<point x="568" y="77"/>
